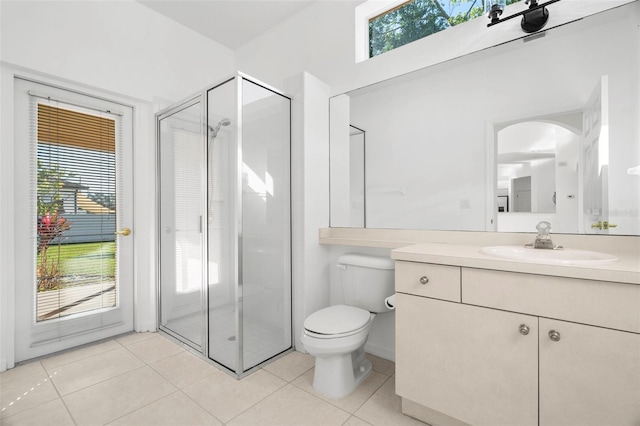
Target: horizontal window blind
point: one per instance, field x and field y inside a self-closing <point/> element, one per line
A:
<point x="76" y="210"/>
<point x="75" y="129"/>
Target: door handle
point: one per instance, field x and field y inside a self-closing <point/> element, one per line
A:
<point x="603" y="225"/>
<point x="125" y="232"/>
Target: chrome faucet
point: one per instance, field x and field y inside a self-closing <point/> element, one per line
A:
<point x="543" y="239"/>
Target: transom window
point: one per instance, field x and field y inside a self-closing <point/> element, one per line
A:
<point x="416" y="19"/>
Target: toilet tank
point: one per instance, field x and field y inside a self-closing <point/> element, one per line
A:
<point x="366" y="280"/>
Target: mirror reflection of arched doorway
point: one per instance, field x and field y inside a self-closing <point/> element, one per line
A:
<point x="537" y="172"/>
<point x="581" y="195"/>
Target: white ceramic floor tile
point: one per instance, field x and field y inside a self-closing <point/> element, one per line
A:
<point x="85" y="372"/>
<point x="109" y="400"/>
<point x="291" y="365"/>
<point x="109" y="382"/>
<point x="23" y="388"/>
<point x="355" y="421"/>
<point x="174" y="409"/>
<point x="22" y="371"/>
<point x="291" y="406"/>
<point x="50" y="413"/>
<point x="183" y="369"/>
<point x="225" y="397"/>
<point x="80" y="353"/>
<point x="381" y="365"/>
<point x="384" y="408"/>
<point x="351" y="402"/>
<point x="154" y="349"/>
<point x="131" y="338"/>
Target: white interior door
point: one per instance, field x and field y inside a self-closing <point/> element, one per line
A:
<point x="522" y="191"/>
<point x="595" y="156"/>
<point x="73" y="210"/>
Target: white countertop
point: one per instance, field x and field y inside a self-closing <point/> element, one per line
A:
<point x="626" y="270"/>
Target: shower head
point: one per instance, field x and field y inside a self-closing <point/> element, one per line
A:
<point x="223" y="122"/>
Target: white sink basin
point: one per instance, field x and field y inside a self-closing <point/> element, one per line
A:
<point x="554" y="257"/>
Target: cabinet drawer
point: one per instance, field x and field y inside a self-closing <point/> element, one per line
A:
<point x="600" y="303"/>
<point x="442" y="282"/>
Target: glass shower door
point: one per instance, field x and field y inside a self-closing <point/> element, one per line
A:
<point x="248" y="219"/>
<point x="222" y="124"/>
<point x="181" y="182"/>
<point x="266" y="240"/>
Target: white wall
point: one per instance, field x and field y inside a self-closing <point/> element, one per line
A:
<point x="543" y="185"/>
<point x="120" y="50"/>
<point x="339" y="164"/>
<point x="119" y="46"/>
<point x="309" y="196"/>
<point x="567" y="182"/>
<point x="321" y="40"/>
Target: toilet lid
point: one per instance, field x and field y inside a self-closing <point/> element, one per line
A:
<point x="337" y="319"/>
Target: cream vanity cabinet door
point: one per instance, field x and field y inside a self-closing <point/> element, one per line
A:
<point x="588" y="375"/>
<point x="474" y="364"/>
<point x="590" y="371"/>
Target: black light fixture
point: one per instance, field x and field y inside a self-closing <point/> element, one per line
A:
<point x="494" y="9"/>
<point x="533" y="19"/>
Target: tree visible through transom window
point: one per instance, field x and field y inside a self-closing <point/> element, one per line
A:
<point x="416" y="19"/>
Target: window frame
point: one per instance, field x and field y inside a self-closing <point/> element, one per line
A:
<point x="365" y="12"/>
<point x="371" y="9"/>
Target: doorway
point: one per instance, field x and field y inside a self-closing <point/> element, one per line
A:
<point x="522" y="194"/>
<point x="73" y="210"/>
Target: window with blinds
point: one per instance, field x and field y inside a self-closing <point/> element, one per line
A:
<point x="76" y="209"/>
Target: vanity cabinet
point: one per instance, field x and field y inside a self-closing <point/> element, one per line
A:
<point x="517" y="349"/>
<point x="470" y="363"/>
<point x="590" y="376"/>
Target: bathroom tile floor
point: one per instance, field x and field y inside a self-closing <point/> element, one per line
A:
<point x="148" y="379"/>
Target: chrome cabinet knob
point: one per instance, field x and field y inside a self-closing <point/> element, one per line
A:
<point x="424" y="280"/>
<point x="554" y="336"/>
<point x="524" y="329"/>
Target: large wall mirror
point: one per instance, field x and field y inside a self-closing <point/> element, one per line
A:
<point x="543" y="128"/>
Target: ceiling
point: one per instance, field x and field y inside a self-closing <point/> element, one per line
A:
<point x="231" y="23"/>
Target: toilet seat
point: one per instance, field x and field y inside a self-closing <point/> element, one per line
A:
<point x="337" y="321"/>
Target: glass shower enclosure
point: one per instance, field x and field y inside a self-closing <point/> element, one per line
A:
<point x="224" y="225"/>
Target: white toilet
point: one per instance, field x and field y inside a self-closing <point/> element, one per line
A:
<point x="336" y="335"/>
